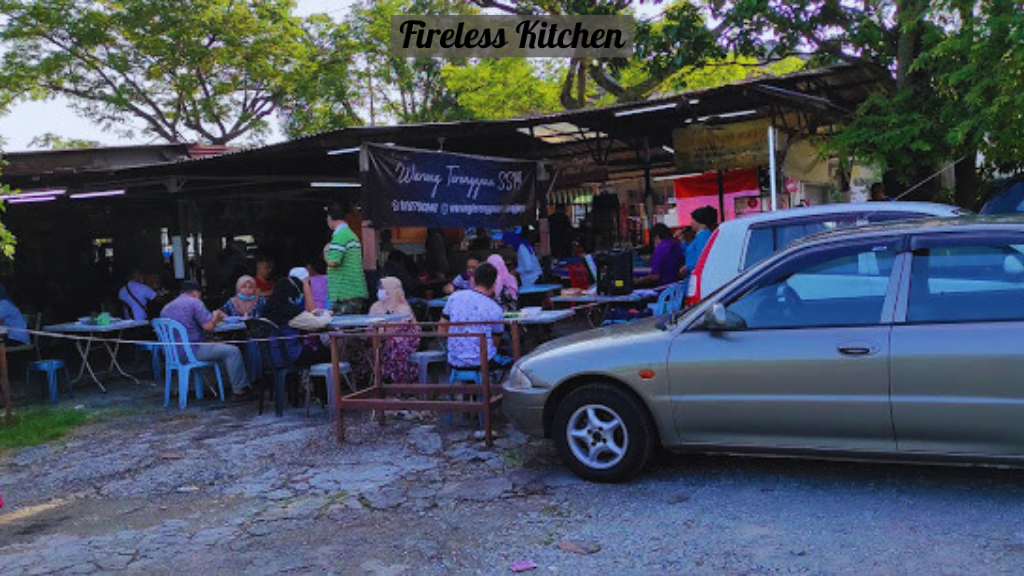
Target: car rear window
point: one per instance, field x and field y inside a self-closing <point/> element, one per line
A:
<point x="764" y="241"/>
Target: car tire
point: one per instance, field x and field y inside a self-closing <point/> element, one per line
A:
<point x="603" y="433"/>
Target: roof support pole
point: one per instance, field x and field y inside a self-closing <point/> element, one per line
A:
<point x="648" y="185"/>
<point x="772" y="168"/>
<point x="721" y="195"/>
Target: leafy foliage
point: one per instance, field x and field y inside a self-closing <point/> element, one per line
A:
<point x="498" y="88"/>
<point x="206" y="70"/>
<point x="51" y="141"/>
<point x="8" y="243"/>
<point x="956" y="89"/>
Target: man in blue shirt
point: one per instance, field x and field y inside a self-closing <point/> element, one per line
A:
<point x="135" y="295"/>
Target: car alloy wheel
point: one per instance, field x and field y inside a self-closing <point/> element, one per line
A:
<point x="597" y="436"/>
<point x="603" y="432"/>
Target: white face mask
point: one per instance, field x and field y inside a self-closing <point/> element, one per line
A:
<point x="382" y="294"/>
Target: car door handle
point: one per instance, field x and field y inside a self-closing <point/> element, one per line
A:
<point x="855" y="350"/>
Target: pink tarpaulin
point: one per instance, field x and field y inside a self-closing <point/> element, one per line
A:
<point x="692" y="192"/>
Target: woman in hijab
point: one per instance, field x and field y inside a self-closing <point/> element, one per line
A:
<point x="506" y="289"/>
<point x="526" y="259"/>
<point x="245" y="302"/>
<point x="11" y="318"/>
<point x="395" y="352"/>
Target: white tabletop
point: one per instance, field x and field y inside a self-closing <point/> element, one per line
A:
<point x="598" y="299"/>
<point x="543" y="317"/>
<point x="535" y="289"/>
<point x="539" y="288"/>
<point x="79" y="328"/>
<point x="229" y="326"/>
<point x="364" y="320"/>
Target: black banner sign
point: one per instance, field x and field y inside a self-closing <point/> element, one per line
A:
<point x="410" y="187"/>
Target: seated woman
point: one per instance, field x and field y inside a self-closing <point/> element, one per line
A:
<point x="291" y="297"/>
<point x="11" y="318"/>
<point x="395" y="352"/>
<point x="245" y="303"/>
<point x="526" y="259"/>
<point x="506" y="288"/>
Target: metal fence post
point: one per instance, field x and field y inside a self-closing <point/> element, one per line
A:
<point x="336" y="384"/>
<point x="5" y="384"/>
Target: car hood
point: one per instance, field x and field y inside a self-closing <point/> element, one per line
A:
<point x="613" y="351"/>
<point x="600" y="338"/>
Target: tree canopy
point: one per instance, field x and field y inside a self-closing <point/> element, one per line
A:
<point x="954" y="65"/>
<point x="188" y="70"/>
<point x="51" y="141"/>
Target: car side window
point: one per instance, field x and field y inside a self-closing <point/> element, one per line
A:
<point x="765" y="241"/>
<point x="843" y="286"/>
<point x="974" y="283"/>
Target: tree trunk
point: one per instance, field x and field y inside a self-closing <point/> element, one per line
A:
<point x="968" y="183"/>
<point x="909" y="27"/>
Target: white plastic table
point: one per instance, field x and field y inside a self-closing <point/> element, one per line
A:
<point x="598" y="299"/>
<point x="527" y="290"/>
<point x="543" y="317"/>
<point x="229" y="327"/>
<point x="539" y="288"/>
<point x="84" y="347"/>
<point x="364" y="320"/>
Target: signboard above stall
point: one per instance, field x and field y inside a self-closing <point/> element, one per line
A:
<point x="411" y="187"/>
<point x="703" y="147"/>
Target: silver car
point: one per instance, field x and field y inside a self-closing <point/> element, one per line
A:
<point x="901" y="340"/>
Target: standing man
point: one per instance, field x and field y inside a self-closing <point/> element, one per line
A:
<point x="560" y="230"/>
<point x="666" y="260"/>
<point x="346" y="282"/>
<point x="189" y="310"/>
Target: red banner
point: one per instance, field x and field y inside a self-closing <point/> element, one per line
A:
<point x="692" y="192"/>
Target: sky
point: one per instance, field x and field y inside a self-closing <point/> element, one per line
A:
<point x="27" y="120"/>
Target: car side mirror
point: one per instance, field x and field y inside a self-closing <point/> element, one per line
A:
<point x="715" y="318"/>
<point x="718" y="319"/>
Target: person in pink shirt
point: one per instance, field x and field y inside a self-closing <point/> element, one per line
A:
<point x="318" y="283"/>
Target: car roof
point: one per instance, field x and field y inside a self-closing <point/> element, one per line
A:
<point x="931" y="208"/>
<point x="961" y="224"/>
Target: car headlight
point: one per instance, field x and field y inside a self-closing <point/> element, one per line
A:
<point x="518" y="379"/>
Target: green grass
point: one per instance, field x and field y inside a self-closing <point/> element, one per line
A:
<point x="34" y="426"/>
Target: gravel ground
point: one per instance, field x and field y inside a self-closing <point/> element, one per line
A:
<point x="221" y="490"/>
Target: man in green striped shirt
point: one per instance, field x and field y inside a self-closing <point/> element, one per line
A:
<point x="346" y="283"/>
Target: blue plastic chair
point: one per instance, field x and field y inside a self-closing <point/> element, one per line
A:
<point x="50" y="368"/>
<point x="670" y="300"/>
<point x="178" y="355"/>
<point x="465" y="376"/>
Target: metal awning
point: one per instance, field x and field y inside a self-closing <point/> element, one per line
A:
<point x="622" y="140"/>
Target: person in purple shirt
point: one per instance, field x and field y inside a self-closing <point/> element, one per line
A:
<point x="667" y="259"/>
<point x="189" y="310"/>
